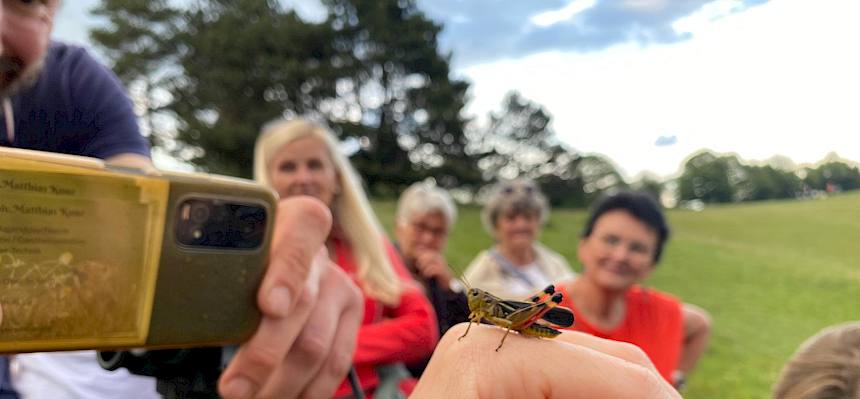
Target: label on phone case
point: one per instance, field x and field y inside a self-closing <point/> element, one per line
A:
<point x="79" y="255"/>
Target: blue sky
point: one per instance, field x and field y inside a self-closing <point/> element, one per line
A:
<point x="649" y="82"/>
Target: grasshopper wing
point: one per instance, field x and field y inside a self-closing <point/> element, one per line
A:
<point x="560" y="316"/>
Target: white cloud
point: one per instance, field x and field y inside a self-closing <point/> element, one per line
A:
<point x="550" y="18"/>
<point x="780" y="78"/>
<point x="645" y="5"/>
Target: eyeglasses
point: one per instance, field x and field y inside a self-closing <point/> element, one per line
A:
<point x="526" y="189"/>
<point x="433" y="231"/>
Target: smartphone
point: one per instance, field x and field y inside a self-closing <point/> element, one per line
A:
<point x="101" y="257"/>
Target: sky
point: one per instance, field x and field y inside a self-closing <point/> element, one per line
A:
<point x="647" y="83"/>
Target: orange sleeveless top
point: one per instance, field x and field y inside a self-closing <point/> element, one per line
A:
<point x="653" y="323"/>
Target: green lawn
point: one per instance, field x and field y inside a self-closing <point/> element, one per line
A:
<point x="770" y="273"/>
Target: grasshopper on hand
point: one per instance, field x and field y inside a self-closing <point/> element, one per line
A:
<point x="535" y="318"/>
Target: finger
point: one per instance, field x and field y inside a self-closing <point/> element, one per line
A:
<point x="530" y="367"/>
<point x="302" y="225"/>
<point x="430" y="264"/>
<point x="339" y="361"/>
<point x="257" y="359"/>
<point x="313" y="345"/>
<point x="623" y="350"/>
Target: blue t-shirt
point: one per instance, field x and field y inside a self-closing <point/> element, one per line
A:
<point x="77" y="107"/>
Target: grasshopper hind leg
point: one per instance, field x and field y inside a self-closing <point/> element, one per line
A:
<point x="507" y="331"/>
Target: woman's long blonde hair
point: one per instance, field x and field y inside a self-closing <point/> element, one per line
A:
<point x="350" y="207"/>
<point x="826" y="366"/>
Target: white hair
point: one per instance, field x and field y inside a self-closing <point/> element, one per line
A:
<point x="423" y="198"/>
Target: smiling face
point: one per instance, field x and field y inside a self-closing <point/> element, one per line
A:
<point x="427" y="232"/>
<point x="619" y="252"/>
<point x="26" y="30"/>
<point x="517" y="231"/>
<point x="304" y="167"/>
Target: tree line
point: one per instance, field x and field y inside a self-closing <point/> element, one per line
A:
<point x="207" y="74"/>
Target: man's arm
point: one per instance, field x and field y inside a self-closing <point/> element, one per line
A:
<point x="130" y="160"/>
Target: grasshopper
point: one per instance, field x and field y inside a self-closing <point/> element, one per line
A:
<point x="527" y="318"/>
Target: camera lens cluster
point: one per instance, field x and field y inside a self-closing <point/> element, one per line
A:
<point x="219" y="223"/>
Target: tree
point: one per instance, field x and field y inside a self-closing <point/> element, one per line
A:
<point x="650" y="184"/>
<point x="586" y="179"/>
<point x="839" y="174"/>
<point x="767" y="182"/>
<point x="136" y="41"/>
<point x="518" y="141"/>
<point x="710" y="178"/>
<point x="403" y="106"/>
<point x="236" y="80"/>
<point x="372" y="70"/>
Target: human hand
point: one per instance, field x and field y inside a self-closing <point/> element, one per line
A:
<point x="304" y="344"/>
<point x="573" y="365"/>
<point x="432" y="265"/>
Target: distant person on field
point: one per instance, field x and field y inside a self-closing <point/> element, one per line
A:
<point x="826" y="366"/>
<point x="518" y="265"/>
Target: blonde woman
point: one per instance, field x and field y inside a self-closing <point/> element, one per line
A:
<point x="827" y="365"/>
<point x="303" y="158"/>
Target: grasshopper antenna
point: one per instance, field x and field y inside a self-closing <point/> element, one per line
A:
<point x="465" y="282"/>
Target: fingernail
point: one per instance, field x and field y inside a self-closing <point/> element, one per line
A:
<point x="238" y="388"/>
<point x="280" y="300"/>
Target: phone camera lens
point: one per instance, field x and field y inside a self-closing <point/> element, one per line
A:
<point x="199" y="213"/>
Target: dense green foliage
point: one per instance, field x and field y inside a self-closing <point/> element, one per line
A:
<point x="371" y="70"/>
<point x="770" y="273"/>
<point x="209" y="74"/>
<point x="716" y="178"/>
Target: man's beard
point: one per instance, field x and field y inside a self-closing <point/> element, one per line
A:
<point x="14" y="77"/>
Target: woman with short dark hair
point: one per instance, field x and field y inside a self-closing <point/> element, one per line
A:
<point x="620" y="246"/>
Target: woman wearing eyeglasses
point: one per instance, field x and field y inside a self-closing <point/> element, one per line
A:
<point x="619" y="249"/>
<point x="518" y="265"/>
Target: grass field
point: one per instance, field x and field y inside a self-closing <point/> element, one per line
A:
<point x="770" y="273"/>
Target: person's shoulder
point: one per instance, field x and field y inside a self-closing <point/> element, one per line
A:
<point x="544" y="250"/>
<point x="481" y="257"/>
<point x="67" y="56"/>
<point x="559" y="264"/>
<point x="548" y="253"/>
<point x="73" y="68"/>
<point x="478" y="263"/>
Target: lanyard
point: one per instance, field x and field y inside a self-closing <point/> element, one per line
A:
<point x="509" y="268"/>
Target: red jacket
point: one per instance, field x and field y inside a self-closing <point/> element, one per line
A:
<point x="404" y="333"/>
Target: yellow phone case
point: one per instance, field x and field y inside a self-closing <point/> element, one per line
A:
<point x="93" y="257"/>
